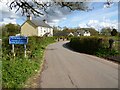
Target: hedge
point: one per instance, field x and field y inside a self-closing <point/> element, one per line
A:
<point x="87" y="45"/>
<point x="16" y="70"/>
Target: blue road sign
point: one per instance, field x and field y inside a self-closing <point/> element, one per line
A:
<point x="18" y="40"/>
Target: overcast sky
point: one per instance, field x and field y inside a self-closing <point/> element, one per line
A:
<point x="98" y="18"/>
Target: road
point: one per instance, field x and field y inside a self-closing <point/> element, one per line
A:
<point x="65" y="68"/>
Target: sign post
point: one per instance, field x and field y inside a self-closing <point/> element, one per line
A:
<point x="13" y="51"/>
<point x="25" y="50"/>
<point x="18" y="40"/>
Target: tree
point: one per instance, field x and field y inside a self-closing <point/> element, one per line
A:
<point x="55" y="30"/>
<point x="119" y="34"/>
<point x="93" y="32"/>
<point x="106" y="31"/>
<point x="37" y="7"/>
<point x="10" y="29"/>
<point x="0" y="32"/>
<point x="114" y="32"/>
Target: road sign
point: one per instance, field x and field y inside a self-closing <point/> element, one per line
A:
<point x="18" y="40"/>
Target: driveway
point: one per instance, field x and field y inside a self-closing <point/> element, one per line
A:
<point x="65" y="68"/>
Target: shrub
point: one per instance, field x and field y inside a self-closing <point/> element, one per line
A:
<point x="93" y="45"/>
<point x="86" y="44"/>
<point x="114" y="32"/>
<point x="104" y="52"/>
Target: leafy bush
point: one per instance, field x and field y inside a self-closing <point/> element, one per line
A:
<point x="93" y="45"/>
<point x="86" y="44"/>
<point x="16" y="70"/>
<point x="10" y="29"/>
<point x="104" y="52"/>
<point x="114" y="32"/>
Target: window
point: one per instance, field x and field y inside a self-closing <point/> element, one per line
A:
<point x="41" y="30"/>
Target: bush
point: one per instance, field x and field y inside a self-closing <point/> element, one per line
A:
<point x="104" y="52"/>
<point x="93" y="45"/>
<point x="114" y="32"/>
<point x="87" y="45"/>
<point x="16" y="70"/>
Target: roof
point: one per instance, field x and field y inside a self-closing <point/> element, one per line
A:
<point x="75" y="34"/>
<point x="61" y="34"/>
<point x="40" y="23"/>
<point x="80" y="31"/>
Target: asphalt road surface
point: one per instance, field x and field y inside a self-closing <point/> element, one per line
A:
<point x="65" y="68"/>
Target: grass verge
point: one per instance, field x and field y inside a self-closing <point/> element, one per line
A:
<point x="16" y="70"/>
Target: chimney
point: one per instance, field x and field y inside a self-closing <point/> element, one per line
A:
<point x="29" y="17"/>
<point x="44" y="21"/>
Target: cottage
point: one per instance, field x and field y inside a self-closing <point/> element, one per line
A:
<point x="70" y="34"/>
<point x="32" y="27"/>
<point x="87" y="33"/>
<point x="81" y="33"/>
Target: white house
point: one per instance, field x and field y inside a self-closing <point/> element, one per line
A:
<point x="70" y="34"/>
<point x="82" y="33"/>
<point x="86" y="33"/>
<point x="32" y="27"/>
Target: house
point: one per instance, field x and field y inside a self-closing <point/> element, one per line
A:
<point x="59" y="28"/>
<point x="87" y="33"/>
<point x="75" y="33"/>
<point x="32" y="27"/>
<point x="61" y="33"/>
<point x="81" y="33"/>
<point x="70" y="34"/>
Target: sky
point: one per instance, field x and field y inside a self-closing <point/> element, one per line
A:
<point x="98" y="18"/>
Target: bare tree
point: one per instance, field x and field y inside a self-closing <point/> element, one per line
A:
<point x="38" y="7"/>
